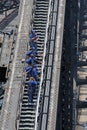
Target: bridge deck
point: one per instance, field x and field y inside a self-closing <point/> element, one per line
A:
<point x="9" y="110"/>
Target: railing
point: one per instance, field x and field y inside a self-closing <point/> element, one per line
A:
<point x="10" y="60"/>
<point x="43" y="65"/>
<point x="19" y="103"/>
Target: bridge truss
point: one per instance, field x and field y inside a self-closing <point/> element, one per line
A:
<point x="6" y="5"/>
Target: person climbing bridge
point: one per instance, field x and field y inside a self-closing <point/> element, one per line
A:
<point x="33" y="39"/>
<point x="32" y="83"/>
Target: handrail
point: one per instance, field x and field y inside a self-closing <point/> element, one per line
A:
<point x="9" y="58"/>
<point x="19" y="101"/>
<point x="43" y="64"/>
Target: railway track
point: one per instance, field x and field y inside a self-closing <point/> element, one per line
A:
<point x="28" y="111"/>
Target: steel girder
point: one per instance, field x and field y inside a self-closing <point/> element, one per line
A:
<point x="65" y="107"/>
<point x="6" y="5"/>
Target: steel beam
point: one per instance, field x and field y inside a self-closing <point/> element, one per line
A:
<point x="81" y="104"/>
<point x="6" y="5"/>
<point x="65" y="100"/>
